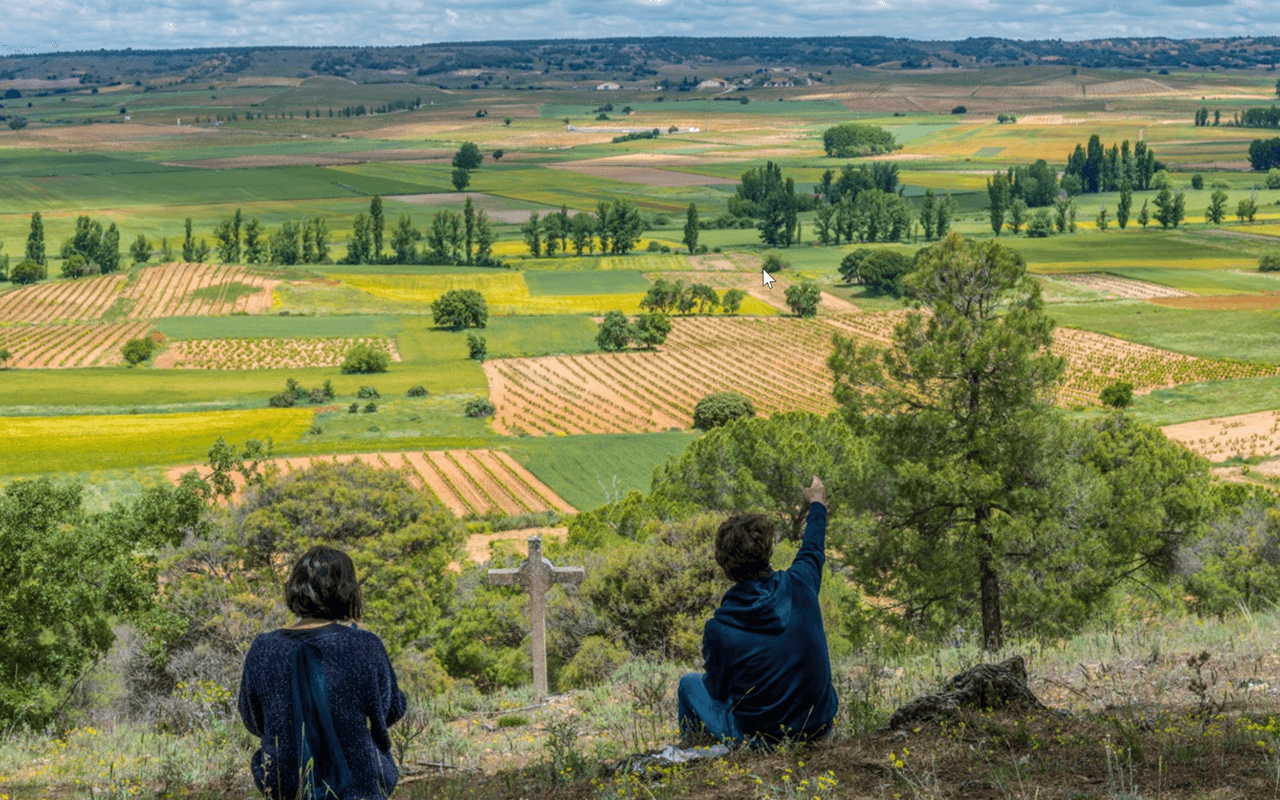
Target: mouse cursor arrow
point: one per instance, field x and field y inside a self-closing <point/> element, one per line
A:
<point x="768" y="279"/>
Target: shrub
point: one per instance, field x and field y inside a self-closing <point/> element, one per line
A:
<point x="317" y="396"/>
<point x="27" y="271"/>
<point x="416" y="391"/>
<point x="597" y="659"/>
<point x="717" y="409"/>
<point x="136" y="351"/>
<point x="477" y="347"/>
<point x="1117" y="395"/>
<point x="1273" y="178"/>
<point x="959" y="110"/>
<point x="882" y="271"/>
<point x="371" y="407"/>
<point x="479" y="407"/>
<point x="1197" y="181"/>
<point x="1270" y="261"/>
<point x="1041" y="224"/>
<point x="367" y="393"/>
<point x="654" y="246"/>
<point x="281" y="400"/>
<point x="774" y="262"/>
<point x="353" y="408"/>
<point x="365" y="358"/>
<point x="315" y="429"/>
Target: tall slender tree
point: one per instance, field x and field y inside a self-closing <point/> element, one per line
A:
<point x="998" y="196"/>
<point x="691" y="228"/>
<point x="376" y="224"/>
<point x="1126" y="203"/>
<point x="35" y="241"/>
<point x="188" y="243"/>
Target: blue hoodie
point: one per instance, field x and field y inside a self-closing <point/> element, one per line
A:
<point x="765" y="649"/>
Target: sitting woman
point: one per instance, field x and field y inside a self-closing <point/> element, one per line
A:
<point x="321" y="692"/>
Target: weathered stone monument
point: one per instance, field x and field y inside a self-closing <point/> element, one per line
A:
<point x="537" y="575"/>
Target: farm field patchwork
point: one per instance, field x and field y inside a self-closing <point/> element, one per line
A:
<point x="780" y="365"/>
<point x="467" y="482"/>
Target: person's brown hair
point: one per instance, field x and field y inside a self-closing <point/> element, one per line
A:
<point x="323" y="585"/>
<point x="744" y="545"/>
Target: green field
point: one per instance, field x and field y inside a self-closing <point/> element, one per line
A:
<point x="578" y="283"/>
<point x="1238" y="335"/>
<point x="589" y="471"/>
<point x="1218" y="282"/>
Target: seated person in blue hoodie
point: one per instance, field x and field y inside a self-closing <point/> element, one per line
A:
<point x="768" y="672"/>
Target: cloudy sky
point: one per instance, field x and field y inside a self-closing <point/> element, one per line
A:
<point x="45" y="25"/>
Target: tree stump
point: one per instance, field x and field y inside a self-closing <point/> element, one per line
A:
<point x="1002" y="685"/>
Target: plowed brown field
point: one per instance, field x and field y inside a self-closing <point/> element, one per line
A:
<point x="780" y="363"/>
<point x="466" y="482"/>
<point x="1244" y="435"/>
<point x="63" y="346"/>
<point x="263" y="353"/>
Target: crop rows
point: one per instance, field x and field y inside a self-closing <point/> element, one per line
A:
<point x="1245" y="436"/>
<point x="63" y="346"/>
<point x="1123" y="287"/>
<point x="466" y="482"/>
<point x="61" y="301"/>
<point x="263" y="353"/>
<point x="778" y="363"/>
<point x="167" y="291"/>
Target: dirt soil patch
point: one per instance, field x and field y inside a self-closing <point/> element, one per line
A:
<point x="1226" y="302"/>
<point x="478" y="544"/>
<point x="1243" y="435"/>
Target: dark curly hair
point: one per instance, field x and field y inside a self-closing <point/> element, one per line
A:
<point x="744" y="545"/>
<point x="323" y="585"/>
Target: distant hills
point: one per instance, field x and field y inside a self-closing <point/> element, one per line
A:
<point x="637" y="58"/>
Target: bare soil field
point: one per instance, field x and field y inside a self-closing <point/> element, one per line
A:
<point x="1226" y="302"/>
<point x="493" y="479"/>
<point x="263" y="353"/>
<point x="1243" y="436"/>
<point x="1131" y="87"/>
<point x="479" y="544"/>
<point x="67" y="346"/>
<point x="1123" y="287"/>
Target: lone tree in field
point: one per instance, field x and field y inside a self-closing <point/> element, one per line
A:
<point x="364" y="358"/>
<point x="615" y="331"/>
<point x="803" y="298"/>
<point x="136" y="351"/>
<point x="1117" y="395"/>
<point x="691" y="228"/>
<point x="5" y="355"/>
<point x="954" y="405"/>
<point x="721" y="408"/>
<point x="460" y="308"/>
<point x="468" y="157"/>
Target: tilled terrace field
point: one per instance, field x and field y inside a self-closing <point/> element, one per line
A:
<point x="464" y="481"/>
<point x="263" y="353"/>
<point x="1243" y="435"/>
<point x="780" y="363"/>
<point x="71" y="345"/>
<point x="169" y="290"/>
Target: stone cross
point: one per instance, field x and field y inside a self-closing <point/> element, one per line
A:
<point x="537" y="575"/>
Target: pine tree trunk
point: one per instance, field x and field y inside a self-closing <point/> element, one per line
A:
<point x="989" y="582"/>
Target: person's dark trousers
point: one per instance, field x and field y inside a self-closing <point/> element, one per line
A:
<point x="701" y="716"/>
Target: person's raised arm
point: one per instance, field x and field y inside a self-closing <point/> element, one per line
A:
<point x="808" y="562"/>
